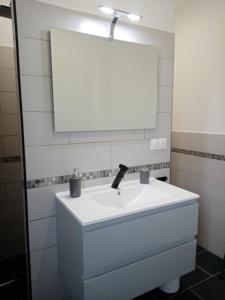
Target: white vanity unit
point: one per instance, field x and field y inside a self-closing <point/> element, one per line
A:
<point x="119" y="244"/>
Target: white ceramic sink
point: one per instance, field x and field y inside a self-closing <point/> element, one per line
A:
<point x="127" y="196"/>
<point x="103" y="203"/>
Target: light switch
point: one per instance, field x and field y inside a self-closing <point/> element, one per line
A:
<point x="158" y="144"/>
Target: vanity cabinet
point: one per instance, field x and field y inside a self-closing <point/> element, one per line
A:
<point x="127" y="256"/>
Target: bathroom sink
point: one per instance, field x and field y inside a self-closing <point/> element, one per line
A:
<point x="102" y="203"/>
<point x="127" y="196"/>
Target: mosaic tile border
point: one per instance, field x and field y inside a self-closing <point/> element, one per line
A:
<point x="49" y="181"/>
<point x="199" y="154"/>
<point x="10" y="159"/>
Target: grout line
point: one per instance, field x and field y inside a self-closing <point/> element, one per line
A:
<point x="44" y="218"/>
<point x="43" y="249"/>
<point x="200" y="268"/>
<point x="202" y="281"/>
<point x="197" y="295"/>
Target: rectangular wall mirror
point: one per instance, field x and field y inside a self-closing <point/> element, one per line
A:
<point x="102" y="85"/>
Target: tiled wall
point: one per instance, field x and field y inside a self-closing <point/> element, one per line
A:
<point x="11" y="210"/>
<point x="53" y="154"/>
<point x="198" y="164"/>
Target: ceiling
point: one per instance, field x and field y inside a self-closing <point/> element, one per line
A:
<point x="158" y="14"/>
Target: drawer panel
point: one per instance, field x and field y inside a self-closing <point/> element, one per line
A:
<point x="111" y="247"/>
<point x="133" y="280"/>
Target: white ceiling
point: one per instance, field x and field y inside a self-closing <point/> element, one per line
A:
<point x="158" y="14"/>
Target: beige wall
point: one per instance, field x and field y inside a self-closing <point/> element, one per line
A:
<point x="199" y="90"/>
<point x="6" y="35"/>
<point x="198" y="140"/>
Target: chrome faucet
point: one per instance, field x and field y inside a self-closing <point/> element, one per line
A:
<point x="119" y="176"/>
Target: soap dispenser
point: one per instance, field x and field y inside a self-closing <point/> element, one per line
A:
<point x="75" y="184"/>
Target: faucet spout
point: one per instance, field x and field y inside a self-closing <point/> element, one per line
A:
<point x="119" y="176"/>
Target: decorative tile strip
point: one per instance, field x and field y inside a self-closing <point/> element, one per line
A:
<point x="199" y="154"/>
<point x="10" y="159"/>
<point x="49" y="181"/>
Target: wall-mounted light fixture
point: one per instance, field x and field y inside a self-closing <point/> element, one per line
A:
<point x="116" y="15"/>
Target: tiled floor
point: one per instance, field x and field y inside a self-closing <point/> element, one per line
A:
<point x="11" y="269"/>
<point x="205" y="283"/>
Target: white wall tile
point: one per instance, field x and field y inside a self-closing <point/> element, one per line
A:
<point x="215" y="228"/>
<point x="163" y="127"/>
<point x="103" y="136"/>
<point x="136" y="153"/>
<point x="178" y="178"/>
<point x="7" y="58"/>
<point x="41" y="201"/>
<point x="41" y="132"/>
<point x="37" y="93"/>
<point x="9" y="125"/>
<point x="50" y="288"/>
<point x="216" y="209"/>
<point x="10" y="172"/>
<point x="217" y="170"/>
<point x="43" y="263"/>
<point x="179" y="140"/>
<point x="11" y="145"/>
<point x="165" y="72"/>
<point x="42" y="233"/>
<point x="7" y="80"/>
<point x="205" y="186"/>
<point x="60" y="160"/>
<point x="203" y="142"/>
<point x="34" y="57"/>
<point x="165" y="99"/>
<point x="191" y="164"/>
<point x="8" y="103"/>
<point x="212" y="244"/>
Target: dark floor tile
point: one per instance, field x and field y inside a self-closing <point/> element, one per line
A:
<point x="187" y="295"/>
<point x="186" y="282"/>
<point x="200" y="249"/>
<point x="160" y="295"/>
<point x="192" y="278"/>
<point x="148" y="296"/>
<point x="209" y="262"/>
<point x="212" y="289"/>
<point x="20" y="264"/>
<point x="6" y="270"/>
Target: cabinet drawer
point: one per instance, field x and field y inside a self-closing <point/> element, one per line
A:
<point x="140" y="277"/>
<point x="111" y="247"/>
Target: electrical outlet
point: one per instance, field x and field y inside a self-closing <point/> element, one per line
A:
<point x="158" y="144"/>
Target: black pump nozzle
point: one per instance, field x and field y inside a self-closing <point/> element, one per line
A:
<point x="119" y="176"/>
